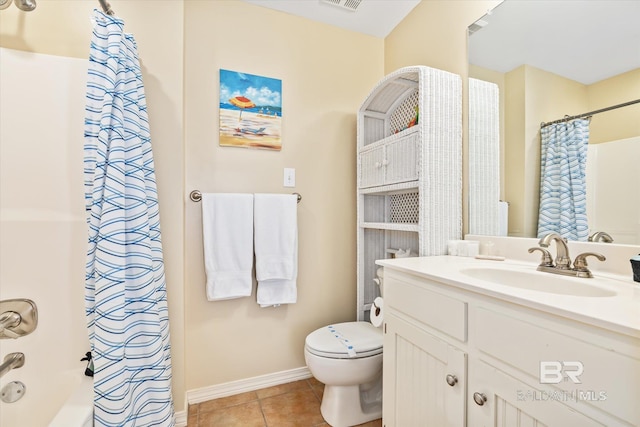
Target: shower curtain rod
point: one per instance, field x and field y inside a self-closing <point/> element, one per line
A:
<point x="106" y="7"/>
<point x="590" y="113"/>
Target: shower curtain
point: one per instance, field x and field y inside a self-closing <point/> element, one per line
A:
<point x="563" y="160"/>
<point x="125" y="291"/>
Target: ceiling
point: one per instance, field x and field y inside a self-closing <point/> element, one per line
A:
<point x="560" y="36"/>
<point x="372" y="17"/>
<point x="585" y="41"/>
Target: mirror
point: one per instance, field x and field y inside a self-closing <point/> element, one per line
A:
<point x="533" y="62"/>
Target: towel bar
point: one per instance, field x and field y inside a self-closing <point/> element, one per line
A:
<point x="196" y="196"/>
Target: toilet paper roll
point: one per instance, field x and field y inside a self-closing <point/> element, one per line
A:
<point x="377" y="312"/>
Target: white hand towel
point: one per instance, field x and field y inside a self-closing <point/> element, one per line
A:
<point x="227" y="227"/>
<point x="276" y="248"/>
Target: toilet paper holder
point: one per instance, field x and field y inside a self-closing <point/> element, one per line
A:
<point x="377" y="309"/>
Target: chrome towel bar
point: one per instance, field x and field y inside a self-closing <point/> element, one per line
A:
<point x="196" y="196"/>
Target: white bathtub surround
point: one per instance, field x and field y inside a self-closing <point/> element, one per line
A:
<point x="516" y="248"/>
<point x="227" y="228"/>
<point x="125" y="289"/>
<point x="77" y="410"/>
<point x="32" y="87"/>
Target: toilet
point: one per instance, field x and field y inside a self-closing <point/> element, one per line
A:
<point x="347" y="358"/>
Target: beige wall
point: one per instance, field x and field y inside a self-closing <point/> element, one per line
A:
<point x="63" y="28"/>
<point x="616" y="124"/>
<point x="435" y="34"/>
<point x="326" y="73"/>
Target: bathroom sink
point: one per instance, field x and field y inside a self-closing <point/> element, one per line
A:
<point x="540" y="282"/>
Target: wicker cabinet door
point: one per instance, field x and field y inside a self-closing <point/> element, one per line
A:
<point x="401" y="160"/>
<point x="372" y="168"/>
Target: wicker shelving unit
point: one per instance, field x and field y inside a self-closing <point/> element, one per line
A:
<point x="409" y="174"/>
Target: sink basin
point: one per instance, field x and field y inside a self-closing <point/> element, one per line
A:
<point x="540" y="282"/>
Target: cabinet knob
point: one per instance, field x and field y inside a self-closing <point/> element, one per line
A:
<point x="479" y="398"/>
<point x="385" y="162"/>
<point x="378" y="165"/>
<point x="452" y="380"/>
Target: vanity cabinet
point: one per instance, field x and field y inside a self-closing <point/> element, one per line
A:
<point x="409" y="170"/>
<point x="424" y="378"/>
<point x="514" y="365"/>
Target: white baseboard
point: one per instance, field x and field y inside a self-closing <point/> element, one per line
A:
<point x="181" y="418"/>
<point x="249" y="384"/>
<point x="240" y="386"/>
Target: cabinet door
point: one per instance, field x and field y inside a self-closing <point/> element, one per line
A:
<point x="512" y="403"/>
<point x="401" y="160"/>
<point x="416" y="388"/>
<point x="372" y="167"/>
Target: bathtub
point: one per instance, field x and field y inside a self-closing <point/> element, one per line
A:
<point x="77" y="410"/>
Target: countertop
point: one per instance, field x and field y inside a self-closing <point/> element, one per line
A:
<point x="619" y="313"/>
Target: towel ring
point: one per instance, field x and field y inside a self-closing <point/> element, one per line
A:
<point x="196" y="196"/>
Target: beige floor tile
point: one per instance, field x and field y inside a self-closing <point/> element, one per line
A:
<point x="192" y="421"/>
<point x="317" y="387"/>
<point x="243" y="415"/>
<point x="374" y="423"/>
<point x="298" y="408"/>
<point x="225" y="402"/>
<point x="282" y="388"/>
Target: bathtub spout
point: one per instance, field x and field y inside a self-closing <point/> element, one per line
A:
<point x="11" y="361"/>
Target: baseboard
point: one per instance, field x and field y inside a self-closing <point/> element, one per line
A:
<point x="181" y="418"/>
<point x="249" y="384"/>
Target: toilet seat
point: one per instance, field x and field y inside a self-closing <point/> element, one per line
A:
<point x="349" y="340"/>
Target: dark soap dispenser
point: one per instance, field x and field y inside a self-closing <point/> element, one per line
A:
<point x="635" y="266"/>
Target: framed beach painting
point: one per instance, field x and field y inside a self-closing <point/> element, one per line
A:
<point x="250" y="111"/>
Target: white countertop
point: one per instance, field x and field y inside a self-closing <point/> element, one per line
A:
<point x="619" y="313"/>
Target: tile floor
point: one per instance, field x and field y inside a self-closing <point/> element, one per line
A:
<point x="295" y="404"/>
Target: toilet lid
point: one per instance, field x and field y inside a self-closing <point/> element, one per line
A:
<point x="345" y="340"/>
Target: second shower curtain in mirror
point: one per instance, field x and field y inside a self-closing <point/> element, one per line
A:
<point x="563" y="161"/>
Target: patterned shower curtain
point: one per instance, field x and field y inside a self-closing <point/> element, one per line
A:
<point x="125" y="291"/>
<point x="563" y="160"/>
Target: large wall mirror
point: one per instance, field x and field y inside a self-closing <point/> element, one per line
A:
<point x="536" y="62"/>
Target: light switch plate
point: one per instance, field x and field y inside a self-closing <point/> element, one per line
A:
<point x="289" y="177"/>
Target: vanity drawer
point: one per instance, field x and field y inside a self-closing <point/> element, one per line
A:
<point x="433" y="309"/>
<point x="547" y="351"/>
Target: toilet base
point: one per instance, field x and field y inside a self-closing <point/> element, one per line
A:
<point x="344" y="406"/>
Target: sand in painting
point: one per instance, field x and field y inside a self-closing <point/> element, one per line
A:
<point x="253" y="130"/>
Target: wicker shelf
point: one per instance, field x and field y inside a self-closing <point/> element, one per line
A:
<point x="409" y="170"/>
<point x="390" y="189"/>
<point x="391" y="226"/>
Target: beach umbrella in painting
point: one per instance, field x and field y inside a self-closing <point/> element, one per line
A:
<point x="242" y="103"/>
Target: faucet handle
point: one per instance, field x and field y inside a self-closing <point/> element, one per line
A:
<point x="547" y="259"/>
<point x="580" y="263"/>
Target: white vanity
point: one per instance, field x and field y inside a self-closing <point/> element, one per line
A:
<point x="475" y="343"/>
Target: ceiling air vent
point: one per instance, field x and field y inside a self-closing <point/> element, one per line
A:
<point x="351" y="5"/>
<point x="478" y="25"/>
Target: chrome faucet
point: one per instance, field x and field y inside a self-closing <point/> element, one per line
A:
<point x="601" y="236"/>
<point x="11" y="361"/>
<point x="563" y="260"/>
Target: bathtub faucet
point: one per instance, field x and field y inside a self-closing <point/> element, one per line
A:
<point x="11" y="361"/>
